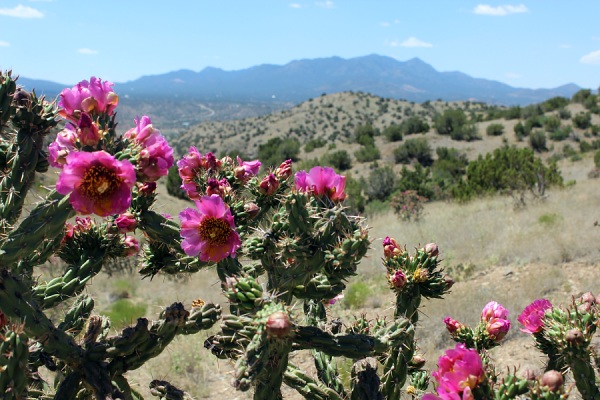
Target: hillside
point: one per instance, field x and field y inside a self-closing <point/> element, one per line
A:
<point x="335" y="118"/>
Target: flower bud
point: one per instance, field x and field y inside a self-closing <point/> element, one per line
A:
<point x="553" y="380"/>
<point x="448" y="281"/>
<point x="452" y="325"/>
<point x="269" y="185"/>
<point x="131" y="246"/>
<point x="391" y="248"/>
<point x="126" y="222"/>
<point x="432" y="249"/>
<point x="418" y="361"/>
<point x="146" y="188"/>
<point x="284" y="170"/>
<point x="252" y="210"/>
<point x="278" y="325"/>
<point x="398" y="279"/>
<point x="574" y="337"/>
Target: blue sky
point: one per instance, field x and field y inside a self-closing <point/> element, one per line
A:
<point x="532" y="44"/>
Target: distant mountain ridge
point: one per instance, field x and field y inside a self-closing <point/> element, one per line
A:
<point x="299" y="80"/>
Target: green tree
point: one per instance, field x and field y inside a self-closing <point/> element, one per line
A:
<point x="415" y="148"/>
<point x="174" y="184"/>
<point x="339" y="160"/>
<point x="380" y="183"/>
<point x="276" y="150"/>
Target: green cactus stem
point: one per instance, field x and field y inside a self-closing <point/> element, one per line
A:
<point x="365" y="381"/>
<point x="47" y="220"/>
<point x="307" y="386"/>
<point x="165" y="391"/>
<point x="13" y="363"/>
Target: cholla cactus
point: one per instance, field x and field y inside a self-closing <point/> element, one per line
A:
<point x="284" y="247"/>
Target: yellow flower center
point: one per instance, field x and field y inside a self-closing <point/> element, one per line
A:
<point x="99" y="182"/>
<point x="214" y="230"/>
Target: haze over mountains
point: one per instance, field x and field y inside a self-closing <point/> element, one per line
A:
<point x="299" y="80"/>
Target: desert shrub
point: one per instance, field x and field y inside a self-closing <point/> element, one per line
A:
<point x="367" y="154"/>
<point x="581" y="96"/>
<point x="495" y="129"/>
<point x="582" y="120"/>
<point x="455" y="123"/>
<point x="520" y="131"/>
<point x="393" y="133"/>
<point x="174" y="184"/>
<point x="123" y="312"/>
<point x="314" y="144"/>
<point x="380" y="183"/>
<point x="355" y="201"/>
<point x="537" y="141"/>
<point x="276" y="150"/>
<point x="449" y="167"/>
<point x="554" y="103"/>
<point x="551" y="123"/>
<point x="561" y="133"/>
<point x="564" y="113"/>
<point x="365" y="135"/>
<point x="597" y="159"/>
<point x="339" y="160"/>
<point x="356" y="295"/>
<point x="534" y="110"/>
<point x="408" y="205"/>
<point x="512" y="113"/>
<point x="418" y="179"/>
<point x="415" y="148"/>
<point x="512" y="170"/>
<point x="414" y="125"/>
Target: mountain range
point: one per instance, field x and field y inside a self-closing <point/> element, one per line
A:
<point x="299" y="80"/>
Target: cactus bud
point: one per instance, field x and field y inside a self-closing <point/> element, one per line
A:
<point x="574" y="337"/>
<point x="418" y="361"/>
<point x="452" y="325"/>
<point x="391" y="248"/>
<point x="432" y="249"/>
<point x="126" y="222"/>
<point x="278" y="325"/>
<point x="269" y="185"/>
<point x="398" y="279"/>
<point x="146" y="188"/>
<point x="448" y="281"/>
<point x="588" y="297"/>
<point x="553" y="380"/>
<point x="284" y="170"/>
<point x="252" y="210"/>
<point x="131" y="246"/>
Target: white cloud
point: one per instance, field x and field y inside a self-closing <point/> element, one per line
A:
<point x="21" y="12"/>
<point x="500" y="11"/>
<point x="4" y="44"/>
<point x="385" y="24"/>
<point x="591" y="58"/>
<point x="410" y="42"/>
<point x="295" y="5"/>
<point x="87" y="51"/>
<point x="325" y="4"/>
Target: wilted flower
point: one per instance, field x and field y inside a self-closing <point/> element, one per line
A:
<point x="459" y="371"/>
<point x="335" y="299"/>
<point x="87" y="131"/>
<point x="432" y="249"/>
<point x="80" y="225"/>
<point x="125" y="223"/>
<point x="209" y="231"/>
<point x="156" y="156"/>
<point x="98" y="183"/>
<point x="532" y="317"/>
<point x="62" y="146"/>
<point x="391" y="248"/>
<point x="218" y="187"/>
<point x="146" y="188"/>
<point x="495" y="318"/>
<point x="278" y="325"/>
<point x="322" y="181"/>
<point x="132" y="246"/>
<point x="190" y="164"/>
<point x="94" y="96"/>
<point x="269" y="185"/>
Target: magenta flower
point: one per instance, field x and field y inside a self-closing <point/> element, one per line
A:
<point x="87" y="131"/>
<point x="62" y="146"/>
<point x="132" y="246"/>
<point x="99" y="184"/>
<point x="125" y="223"/>
<point x="246" y="169"/>
<point x="335" y="299"/>
<point x="452" y="325"/>
<point x="391" y="248"/>
<point x="209" y="231"/>
<point x="190" y="164"/>
<point x="214" y="186"/>
<point x="94" y="96"/>
<point x="156" y="156"/>
<point x="398" y="279"/>
<point x="495" y="318"/>
<point x="269" y="185"/>
<point x="322" y="181"/>
<point x="459" y="371"/>
<point x="493" y="310"/>
<point x="532" y="317"/>
<point x="284" y="170"/>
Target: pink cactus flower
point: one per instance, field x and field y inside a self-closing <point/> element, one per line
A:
<point x="209" y="231"/>
<point x="132" y="246"/>
<point x="62" y="146"/>
<point x="532" y="317"/>
<point x="269" y="185"/>
<point x="94" y="97"/>
<point x="80" y="225"/>
<point x="146" y="188"/>
<point x="495" y="317"/>
<point x="246" y="169"/>
<point x="218" y="187"/>
<point x="190" y="164"/>
<point x="156" y="156"/>
<point x="98" y="183"/>
<point x="125" y="223"/>
<point x="335" y="299"/>
<point x="391" y="248"/>
<point x="452" y="325"/>
<point x="322" y="181"/>
<point x="459" y="371"/>
<point x="87" y="131"/>
<point x="493" y="310"/>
